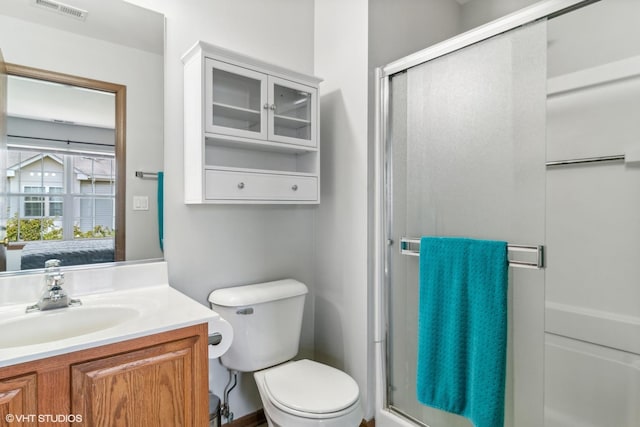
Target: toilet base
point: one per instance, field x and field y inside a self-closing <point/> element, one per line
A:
<point x="276" y="417"/>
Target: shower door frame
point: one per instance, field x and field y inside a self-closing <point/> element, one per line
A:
<point x="385" y="414"/>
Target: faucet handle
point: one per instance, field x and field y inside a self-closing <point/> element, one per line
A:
<point x="51" y="263"/>
<point x="58" y="280"/>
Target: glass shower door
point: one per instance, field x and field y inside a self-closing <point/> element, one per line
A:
<point x="467" y="153"/>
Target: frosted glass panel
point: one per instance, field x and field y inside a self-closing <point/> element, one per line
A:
<point x="467" y="143"/>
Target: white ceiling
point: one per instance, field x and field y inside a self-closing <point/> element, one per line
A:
<point x="36" y="99"/>
<point x="116" y="21"/>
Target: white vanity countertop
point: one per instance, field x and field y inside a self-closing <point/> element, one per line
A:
<point x="149" y="308"/>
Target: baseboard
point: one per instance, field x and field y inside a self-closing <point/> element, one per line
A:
<point x="257" y="418"/>
<point x="250" y="420"/>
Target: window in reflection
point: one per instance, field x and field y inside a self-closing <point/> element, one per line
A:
<point x="42" y="208"/>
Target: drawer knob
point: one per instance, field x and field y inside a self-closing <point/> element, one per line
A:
<point x="241" y="185"/>
<point x="294" y="187"/>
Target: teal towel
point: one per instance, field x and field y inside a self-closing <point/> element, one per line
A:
<point x="462" y="327"/>
<point x="161" y="209"/>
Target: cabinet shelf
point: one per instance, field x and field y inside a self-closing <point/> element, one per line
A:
<point x="232" y="110"/>
<point x="255" y="144"/>
<point x="238" y="117"/>
<point x="292" y="122"/>
<point x="254" y="170"/>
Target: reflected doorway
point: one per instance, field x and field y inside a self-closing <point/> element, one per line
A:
<point x="64" y="179"/>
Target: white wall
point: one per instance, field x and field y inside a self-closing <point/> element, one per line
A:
<point x="398" y="28"/>
<point x="209" y="247"/>
<point x="570" y="33"/>
<point x="478" y="12"/>
<point x="44" y="47"/>
<point x="341" y="321"/>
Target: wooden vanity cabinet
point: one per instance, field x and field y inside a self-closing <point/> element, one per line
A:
<point x="18" y="395"/>
<point x="158" y="380"/>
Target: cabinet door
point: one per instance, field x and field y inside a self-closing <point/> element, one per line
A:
<point x="235" y="100"/>
<point x="293" y="114"/>
<point x="149" y="387"/>
<point x="18" y="401"/>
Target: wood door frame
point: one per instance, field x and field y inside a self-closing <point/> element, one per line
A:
<point x="3" y="149"/>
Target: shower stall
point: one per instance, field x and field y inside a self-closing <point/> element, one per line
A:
<point x="484" y="136"/>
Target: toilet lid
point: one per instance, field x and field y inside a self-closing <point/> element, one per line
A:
<point x="311" y="387"/>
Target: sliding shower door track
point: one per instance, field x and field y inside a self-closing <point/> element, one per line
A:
<point x="406" y="416"/>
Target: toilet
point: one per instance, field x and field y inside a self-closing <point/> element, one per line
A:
<point x="267" y="319"/>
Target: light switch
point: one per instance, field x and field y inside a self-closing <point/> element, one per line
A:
<point x="140" y="203"/>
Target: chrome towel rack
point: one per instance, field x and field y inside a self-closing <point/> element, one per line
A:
<point x="146" y="175"/>
<point x="411" y="246"/>
<point x="614" y="158"/>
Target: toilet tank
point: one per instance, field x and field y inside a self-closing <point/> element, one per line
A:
<point x="266" y="319"/>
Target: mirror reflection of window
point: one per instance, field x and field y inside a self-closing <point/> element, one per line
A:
<point x="61" y="170"/>
<point x="39" y="196"/>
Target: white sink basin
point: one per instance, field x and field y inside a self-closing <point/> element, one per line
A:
<point x="52" y="325"/>
<point x="119" y="302"/>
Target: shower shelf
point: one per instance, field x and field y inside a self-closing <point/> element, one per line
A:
<point x="411" y="246"/>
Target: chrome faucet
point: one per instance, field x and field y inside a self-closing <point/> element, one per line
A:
<point x="53" y="296"/>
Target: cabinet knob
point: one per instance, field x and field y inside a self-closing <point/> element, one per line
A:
<point x="266" y="106"/>
<point x="294" y="187"/>
<point x="273" y="107"/>
<point x="241" y="185"/>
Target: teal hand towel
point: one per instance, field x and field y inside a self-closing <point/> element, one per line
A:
<point x="462" y="327"/>
<point x="161" y="210"/>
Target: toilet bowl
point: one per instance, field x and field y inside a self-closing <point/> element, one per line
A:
<point x="267" y="319"/>
<point x="305" y="393"/>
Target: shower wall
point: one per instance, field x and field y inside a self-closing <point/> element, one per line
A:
<point x="592" y="340"/>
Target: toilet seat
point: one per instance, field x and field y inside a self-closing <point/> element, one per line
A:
<point x="310" y="389"/>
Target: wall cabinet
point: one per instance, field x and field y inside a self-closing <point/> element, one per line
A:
<point x="250" y="130"/>
<point x="156" y="380"/>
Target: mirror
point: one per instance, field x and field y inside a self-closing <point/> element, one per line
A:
<point x="106" y="41"/>
<point x="64" y="174"/>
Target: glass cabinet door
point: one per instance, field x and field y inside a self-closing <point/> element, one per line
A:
<point x="293" y="108"/>
<point x="235" y="100"/>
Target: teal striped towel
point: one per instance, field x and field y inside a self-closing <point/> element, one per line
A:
<point x="462" y="327"/>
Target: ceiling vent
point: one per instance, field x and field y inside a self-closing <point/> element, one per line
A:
<point x="62" y="9"/>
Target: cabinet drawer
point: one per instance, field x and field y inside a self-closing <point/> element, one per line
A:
<point x="232" y="185"/>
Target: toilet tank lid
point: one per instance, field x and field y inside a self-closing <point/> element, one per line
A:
<point x="238" y="296"/>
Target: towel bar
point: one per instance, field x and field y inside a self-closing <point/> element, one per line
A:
<point x="411" y="246"/>
<point x="615" y="158"/>
<point x="146" y="175"/>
